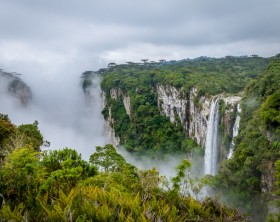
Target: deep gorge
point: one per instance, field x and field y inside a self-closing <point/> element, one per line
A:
<point x="188" y="108"/>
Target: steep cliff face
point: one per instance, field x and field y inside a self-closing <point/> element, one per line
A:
<point x="199" y="111"/>
<point x="231" y="103"/>
<point x="251" y="168"/>
<point x="109" y="123"/>
<point x="173" y="102"/>
<point x="186" y="109"/>
<point x="268" y="178"/>
<point x="109" y="128"/>
<point x="193" y="111"/>
<point x="117" y="93"/>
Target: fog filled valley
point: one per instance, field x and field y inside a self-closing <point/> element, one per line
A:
<point x="68" y="118"/>
<point x="181" y="140"/>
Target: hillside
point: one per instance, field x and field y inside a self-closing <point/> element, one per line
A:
<point x="251" y="169"/>
<point x="163" y="108"/>
<point x="59" y="186"/>
<point x="142" y="100"/>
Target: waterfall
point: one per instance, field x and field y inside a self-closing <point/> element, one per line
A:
<point x="234" y="131"/>
<point x="212" y="140"/>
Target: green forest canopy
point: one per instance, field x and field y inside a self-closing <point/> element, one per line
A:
<point x="146" y="131"/>
<point x="59" y="185"/>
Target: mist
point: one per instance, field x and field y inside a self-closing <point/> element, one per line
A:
<point x="166" y="164"/>
<point x="69" y="119"/>
<point x="65" y="118"/>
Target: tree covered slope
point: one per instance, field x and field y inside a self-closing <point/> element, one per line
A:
<point x="146" y="130"/>
<point x="252" y="167"/>
<point x="60" y="186"/>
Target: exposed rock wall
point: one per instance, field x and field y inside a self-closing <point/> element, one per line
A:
<point x="172" y="102"/>
<point x="127" y="106"/>
<point x="109" y="123"/>
<point x="231" y="103"/>
<point x="111" y="133"/>
<point x="115" y="94"/>
<point x="193" y="112"/>
<point x="182" y="108"/>
<point x="268" y="178"/>
<point x="199" y="111"/>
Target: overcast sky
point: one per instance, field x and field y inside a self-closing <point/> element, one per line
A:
<point x="58" y="35"/>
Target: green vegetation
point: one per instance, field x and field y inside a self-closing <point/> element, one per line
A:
<point x="211" y="76"/>
<point x="12" y="137"/>
<point x="276" y="217"/>
<point x="146" y="131"/>
<point x="59" y="186"/>
<point x="258" y="142"/>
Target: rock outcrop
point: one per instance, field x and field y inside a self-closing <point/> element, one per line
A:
<point x="193" y="111"/>
<point x="268" y="178"/>
<point x="185" y="108"/>
<point x="117" y="93"/>
<point x="109" y="123"/>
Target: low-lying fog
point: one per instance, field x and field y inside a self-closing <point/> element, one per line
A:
<point x="66" y="119"/>
<point x="58" y="103"/>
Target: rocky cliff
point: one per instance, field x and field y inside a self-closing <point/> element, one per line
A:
<point x="193" y="111"/>
<point x="115" y="94"/>
<point x="184" y="108"/>
<point x="109" y="121"/>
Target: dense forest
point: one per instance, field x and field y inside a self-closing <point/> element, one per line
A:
<point x="59" y="185"/>
<point x="146" y="130"/>
<point x="251" y="170"/>
<point x="38" y="184"/>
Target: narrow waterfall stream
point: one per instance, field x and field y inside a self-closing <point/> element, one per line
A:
<point x="212" y="140"/>
<point x="234" y="131"/>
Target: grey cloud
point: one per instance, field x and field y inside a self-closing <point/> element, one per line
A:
<point x="90" y="28"/>
<point x="112" y="24"/>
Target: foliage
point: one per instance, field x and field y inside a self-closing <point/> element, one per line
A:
<point x="21" y="175"/>
<point x="211" y="76"/>
<point x="86" y="80"/>
<point x="59" y="185"/>
<point x="270" y="111"/>
<point x="106" y="158"/>
<point x="259" y="137"/>
<point x="6" y="127"/>
<point x="181" y="173"/>
<point x="32" y="134"/>
<point x="146" y="131"/>
<point x="6" y="130"/>
<point x="65" y="169"/>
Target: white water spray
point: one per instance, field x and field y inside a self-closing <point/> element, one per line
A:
<point x="234" y="131"/>
<point x="212" y="140"/>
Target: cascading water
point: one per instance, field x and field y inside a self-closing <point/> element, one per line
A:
<point x="212" y="140"/>
<point x="234" y="131"/>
